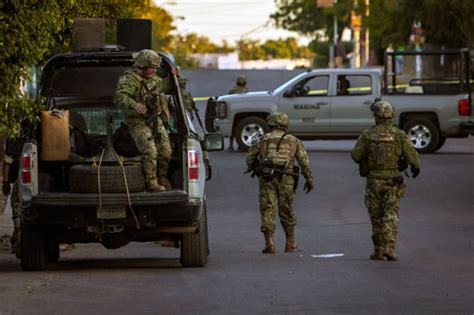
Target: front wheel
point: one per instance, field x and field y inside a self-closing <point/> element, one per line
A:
<point x="423" y="134"/>
<point x="249" y="130"/>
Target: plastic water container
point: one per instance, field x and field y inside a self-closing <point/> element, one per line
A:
<point x="55" y="140"/>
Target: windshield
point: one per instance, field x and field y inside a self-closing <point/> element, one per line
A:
<point x="287" y="84"/>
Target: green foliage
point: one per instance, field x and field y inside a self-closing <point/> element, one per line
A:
<point x="15" y="110"/>
<point x="32" y="31"/>
<point x="304" y="17"/>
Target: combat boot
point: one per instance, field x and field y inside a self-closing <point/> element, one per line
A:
<point x="377" y="255"/>
<point x="153" y="186"/>
<point x="269" y="245"/>
<point x="389" y="253"/>
<point x="291" y="245"/>
<point x="163" y="181"/>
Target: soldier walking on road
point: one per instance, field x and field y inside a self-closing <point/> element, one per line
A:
<point x="272" y="160"/>
<point x="140" y="95"/>
<point x="382" y="152"/>
<point x="239" y="88"/>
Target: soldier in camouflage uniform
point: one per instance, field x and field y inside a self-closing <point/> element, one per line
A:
<point x="239" y="88"/>
<point x="10" y="176"/>
<point x="186" y="96"/>
<point x="148" y="131"/>
<point x="381" y="148"/>
<point x="240" y="85"/>
<point x="276" y="193"/>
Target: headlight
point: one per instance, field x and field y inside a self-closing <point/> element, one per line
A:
<point x="221" y="109"/>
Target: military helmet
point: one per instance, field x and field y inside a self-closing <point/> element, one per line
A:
<point x="241" y="79"/>
<point x="147" y="58"/>
<point x="278" y="119"/>
<point x="382" y="110"/>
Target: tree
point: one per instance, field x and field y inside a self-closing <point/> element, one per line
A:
<point x="181" y="47"/>
<point x="304" y="17"/>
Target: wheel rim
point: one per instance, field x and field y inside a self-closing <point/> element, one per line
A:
<point x="420" y="136"/>
<point x="250" y="133"/>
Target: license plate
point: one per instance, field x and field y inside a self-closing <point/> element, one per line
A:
<point x="111" y="212"/>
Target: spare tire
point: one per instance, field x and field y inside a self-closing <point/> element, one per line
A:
<point x="84" y="178"/>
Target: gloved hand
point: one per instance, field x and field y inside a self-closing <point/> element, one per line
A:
<point x="308" y="186"/>
<point x="6" y="188"/>
<point x="414" y="171"/>
<point x="139" y="108"/>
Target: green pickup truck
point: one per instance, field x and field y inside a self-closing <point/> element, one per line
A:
<point x="429" y="90"/>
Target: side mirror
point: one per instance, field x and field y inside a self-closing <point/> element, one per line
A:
<point x="214" y="142"/>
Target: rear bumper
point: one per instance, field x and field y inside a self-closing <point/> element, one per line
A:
<point x="467" y="127"/>
<point x="171" y="208"/>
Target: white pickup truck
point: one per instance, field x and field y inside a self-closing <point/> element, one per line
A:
<point x="429" y="91"/>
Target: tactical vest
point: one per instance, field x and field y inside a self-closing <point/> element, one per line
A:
<point x="281" y="151"/>
<point x="382" y="155"/>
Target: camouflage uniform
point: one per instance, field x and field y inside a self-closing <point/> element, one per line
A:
<point x="156" y="151"/>
<point x="10" y="175"/>
<point x="239" y="88"/>
<point x="277" y="194"/>
<point x="382" y="147"/>
<point x="186" y="96"/>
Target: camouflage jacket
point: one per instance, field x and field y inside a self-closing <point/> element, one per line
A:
<point x="188" y="100"/>
<point x="238" y="90"/>
<point x="296" y="150"/>
<point x="131" y="91"/>
<point x="402" y="146"/>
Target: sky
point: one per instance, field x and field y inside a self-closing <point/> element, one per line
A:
<point x="226" y="19"/>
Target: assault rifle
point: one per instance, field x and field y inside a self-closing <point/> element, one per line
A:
<point x="267" y="170"/>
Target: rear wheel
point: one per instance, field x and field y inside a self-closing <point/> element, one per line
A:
<point x="423" y="134"/>
<point x="35" y="248"/>
<point x="194" y="247"/>
<point x="54" y="253"/>
<point x="249" y="130"/>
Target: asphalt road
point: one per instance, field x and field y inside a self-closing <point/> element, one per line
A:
<point x="435" y="273"/>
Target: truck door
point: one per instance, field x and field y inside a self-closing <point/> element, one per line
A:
<point x="307" y="104"/>
<point x="350" y="106"/>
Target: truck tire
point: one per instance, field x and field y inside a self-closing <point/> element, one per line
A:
<point x="441" y="142"/>
<point x="194" y="247"/>
<point x="248" y="130"/>
<point x="54" y="252"/>
<point x="423" y="134"/>
<point x="34" y="248"/>
<point x="83" y="179"/>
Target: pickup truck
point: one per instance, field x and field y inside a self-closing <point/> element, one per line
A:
<point x="91" y="190"/>
<point x="429" y="91"/>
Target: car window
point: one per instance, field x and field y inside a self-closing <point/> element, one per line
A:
<point x="354" y="85"/>
<point x="313" y="86"/>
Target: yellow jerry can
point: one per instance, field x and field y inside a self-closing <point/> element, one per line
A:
<point x="55" y="139"/>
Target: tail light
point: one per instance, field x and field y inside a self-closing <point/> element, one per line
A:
<point x="26" y="168"/>
<point x="193" y="165"/>
<point x="464" y="107"/>
<point x="221" y="109"/>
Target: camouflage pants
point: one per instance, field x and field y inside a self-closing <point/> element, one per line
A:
<point x="382" y="199"/>
<point x="156" y="153"/>
<point x="274" y="195"/>
<point x="16" y="211"/>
